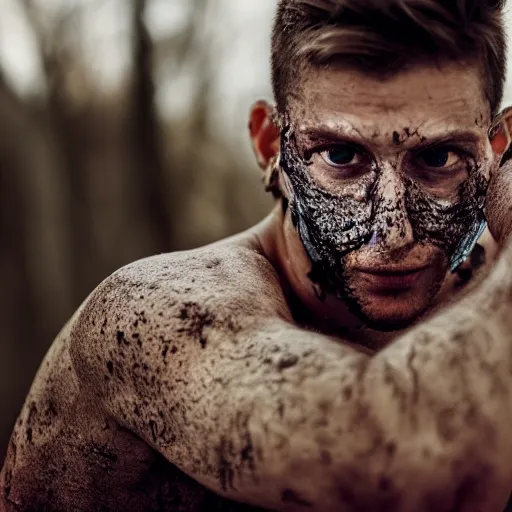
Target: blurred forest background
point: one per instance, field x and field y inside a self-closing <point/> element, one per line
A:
<point x="122" y="134"/>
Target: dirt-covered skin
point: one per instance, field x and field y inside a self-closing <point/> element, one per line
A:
<point x="225" y="364"/>
<point x="67" y="452"/>
<point x="194" y="358"/>
<point x="334" y="225"/>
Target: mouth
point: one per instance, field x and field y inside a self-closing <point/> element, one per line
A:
<point x="392" y="278"/>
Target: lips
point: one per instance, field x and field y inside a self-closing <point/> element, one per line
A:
<point x="392" y="278"/>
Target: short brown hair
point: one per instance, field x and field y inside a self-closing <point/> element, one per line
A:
<point x="384" y="35"/>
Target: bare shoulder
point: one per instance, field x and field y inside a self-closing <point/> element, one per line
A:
<point x="145" y="309"/>
<point x="225" y="276"/>
<point x="129" y="346"/>
<point x="221" y="268"/>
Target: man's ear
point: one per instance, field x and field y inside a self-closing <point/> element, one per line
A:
<point x="264" y="133"/>
<point x="501" y="133"/>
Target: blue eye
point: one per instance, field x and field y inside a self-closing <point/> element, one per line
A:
<point x="438" y="158"/>
<point x="340" y="155"/>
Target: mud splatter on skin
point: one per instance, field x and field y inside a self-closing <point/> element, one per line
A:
<point x="454" y="227"/>
<point x="331" y="226"/>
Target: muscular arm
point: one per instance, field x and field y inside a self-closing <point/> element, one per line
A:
<point x="198" y="355"/>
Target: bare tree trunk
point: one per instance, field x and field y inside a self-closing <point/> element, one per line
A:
<point x="18" y="303"/>
<point x="149" y="159"/>
<point x="66" y="136"/>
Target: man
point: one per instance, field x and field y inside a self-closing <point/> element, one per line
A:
<point x="271" y="369"/>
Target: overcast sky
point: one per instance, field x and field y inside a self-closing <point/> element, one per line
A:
<point x="240" y="29"/>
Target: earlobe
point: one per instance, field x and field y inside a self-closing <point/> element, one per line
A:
<point x="264" y="133"/>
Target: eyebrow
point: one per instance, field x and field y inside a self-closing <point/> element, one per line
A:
<point x="323" y="134"/>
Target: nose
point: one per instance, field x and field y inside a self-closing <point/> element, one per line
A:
<point x="392" y="228"/>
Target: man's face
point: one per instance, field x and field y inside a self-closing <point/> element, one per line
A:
<point x="386" y="181"/>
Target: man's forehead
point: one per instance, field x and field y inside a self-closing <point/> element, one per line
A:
<point x="430" y="97"/>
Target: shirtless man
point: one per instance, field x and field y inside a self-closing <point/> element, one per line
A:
<point x="299" y="366"/>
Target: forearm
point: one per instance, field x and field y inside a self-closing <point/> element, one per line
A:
<point x="262" y="411"/>
<point x="447" y="389"/>
<point x="423" y="417"/>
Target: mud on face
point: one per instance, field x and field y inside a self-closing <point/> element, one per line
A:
<point x="332" y="225"/>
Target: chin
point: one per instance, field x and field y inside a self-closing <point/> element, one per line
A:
<point x="393" y="303"/>
<point x="392" y="311"/>
<point x="390" y="321"/>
